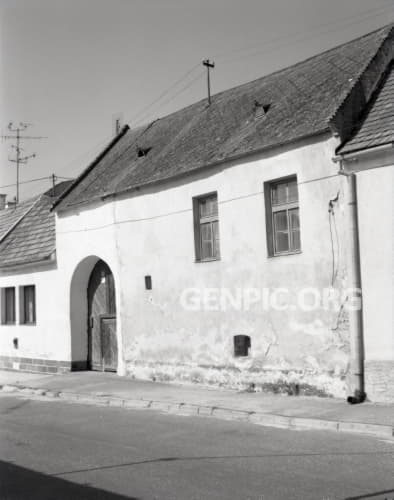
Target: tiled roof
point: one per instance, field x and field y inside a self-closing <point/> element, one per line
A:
<point x="377" y="126"/>
<point x="10" y="216"/>
<point x="32" y="236"/>
<point x="300" y="99"/>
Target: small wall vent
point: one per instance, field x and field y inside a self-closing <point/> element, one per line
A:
<point x="148" y="282"/>
<point x="241" y="345"/>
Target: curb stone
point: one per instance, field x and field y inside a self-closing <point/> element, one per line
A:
<point x="188" y="409"/>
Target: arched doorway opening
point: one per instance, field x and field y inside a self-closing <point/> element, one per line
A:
<point x="94" y="343"/>
<point x="102" y="342"/>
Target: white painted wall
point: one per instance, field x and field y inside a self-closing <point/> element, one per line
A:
<point x="151" y="233"/>
<point x="48" y="338"/>
<point x="376" y="226"/>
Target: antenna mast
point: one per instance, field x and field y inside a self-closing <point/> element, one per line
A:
<point x="18" y="159"/>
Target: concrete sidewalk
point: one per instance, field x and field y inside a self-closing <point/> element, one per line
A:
<point x="290" y="412"/>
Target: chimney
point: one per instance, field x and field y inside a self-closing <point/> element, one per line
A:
<point x="10" y="204"/>
<point x="2" y="201"/>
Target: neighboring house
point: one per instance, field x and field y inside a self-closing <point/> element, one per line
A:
<point x="30" y="338"/>
<point x="370" y="155"/>
<point x="204" y="246"/>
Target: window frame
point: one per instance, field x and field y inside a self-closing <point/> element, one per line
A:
<point x="4" y="306"/>
<point x="271" y="208"/>
<point x="23" y="313"/>
<point x="207" y="219"/>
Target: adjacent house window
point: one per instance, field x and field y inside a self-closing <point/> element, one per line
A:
<point x="28" y="305"/>
<point x="282" y="217"/>
<point x="8" y="306"/>
<point x="206" y="227"/>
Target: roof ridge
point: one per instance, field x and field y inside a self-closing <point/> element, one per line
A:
<point x="389" y="27"/>
<point x="304" y="96"/>
<point x="91" y="165"/>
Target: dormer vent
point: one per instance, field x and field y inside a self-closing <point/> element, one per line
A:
<point x="141" y="152"/>
<point x="260" y="109"/>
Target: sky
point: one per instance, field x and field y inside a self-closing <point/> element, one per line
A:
<point x="68" y="66"/>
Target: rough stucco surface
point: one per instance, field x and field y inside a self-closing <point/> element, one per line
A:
<point x="379" y="381"/>
<point x="151" y="233"/>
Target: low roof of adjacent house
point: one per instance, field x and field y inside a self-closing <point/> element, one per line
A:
<point x="27" y="232"/>
<point x="376" y="128"/>
<point x="10" y="216"/>
<point x="301" y="101"/>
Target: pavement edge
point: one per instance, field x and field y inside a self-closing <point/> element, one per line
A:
<point x="189" y="409"/>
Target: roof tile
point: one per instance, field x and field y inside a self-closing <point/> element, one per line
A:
<point x="302" y="98"/>
<point x="376" y="127"/>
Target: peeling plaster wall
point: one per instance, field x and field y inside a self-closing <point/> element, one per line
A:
<point x="151" y="233"/>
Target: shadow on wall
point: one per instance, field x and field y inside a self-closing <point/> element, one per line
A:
<point x="79" y="308"/>
<point x="18" y="483"/>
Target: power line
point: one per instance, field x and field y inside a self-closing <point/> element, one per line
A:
<point x="142" y="113"/>
<point x="142" y="117"/>
<point x="27" y="182"/>
<point x="363" y="16"/>
<point x="180" y="91"/>
<point x="166" y="91"/>
<point x="185" y="210"/>
<point x="53" y="178"/>
<point x="356" y="20"/>
<point x="19" y="160"/>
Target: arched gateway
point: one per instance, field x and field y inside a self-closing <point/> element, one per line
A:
<point x="102" y="342"/>
<point x="94" y="344"/>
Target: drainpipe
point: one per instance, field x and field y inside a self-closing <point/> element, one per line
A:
<point x="354" y="283"/>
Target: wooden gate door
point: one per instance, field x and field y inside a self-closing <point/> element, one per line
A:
<point x="102" y="348"/>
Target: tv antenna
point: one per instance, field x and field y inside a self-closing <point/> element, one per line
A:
<point x="19" y="159"/>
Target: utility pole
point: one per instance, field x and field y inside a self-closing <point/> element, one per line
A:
<point x="209" y="64"/>
<point x="19" y="160"/>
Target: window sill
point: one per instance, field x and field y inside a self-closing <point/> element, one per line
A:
<point x="8" y="323"/>
<point x="28" y="324"/>
<point x="214" y="259"/>
<point x="284" y="254"/>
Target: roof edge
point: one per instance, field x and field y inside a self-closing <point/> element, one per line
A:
<point x="49" y="259"/>
<point x="207" y="166"/>
<point x="90" y="167"/>
<point x="367" y="92"/>
<point x="20" y="219"/>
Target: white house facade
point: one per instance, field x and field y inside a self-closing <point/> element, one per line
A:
<point x="212" y="246"/>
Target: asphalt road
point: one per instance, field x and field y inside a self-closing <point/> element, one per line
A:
<point x="55" y="450"/>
